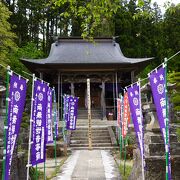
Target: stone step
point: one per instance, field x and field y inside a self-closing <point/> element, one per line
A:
<point x="93" y="141"/>
<point x="92" y="125"/>
<point x="94" y="121"/>
<point x="93" y="129"/>
<point x="93" y="133"/>
<point x="158" y="149"/>
<point x="93" y="137"/>
<point x="100" y="135"/>
<point x="96" y="147"/>
<point x="93" y="144"/>
<point x="158" y="138"/>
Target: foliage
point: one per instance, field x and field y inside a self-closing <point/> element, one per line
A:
<point x="93" y="14"/>
<point x="7" y="37"/>
<point x="27" y="51"/>
<point x="35" y="174"/>
<point x="142" y="29"/>
<point x="174" y="78"/>
<point x="128" y="170"/>
<point x="172" y="36"/>
<point x="178" y="134"/>
<point x="25" y="120"/>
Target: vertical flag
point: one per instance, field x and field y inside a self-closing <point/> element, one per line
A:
<point x="49" y="133"/>
<point x="17" y="95"/>
<point x="118" y="112"/>
<point x="55" y="114"/>
<point x="72" y="113"/>
<point x="39" y="123"/>
<point x="66" y="108"/>
<point x="157" y="82"/>
<point x="136" y="112"/>
<point x="126" y="117"/>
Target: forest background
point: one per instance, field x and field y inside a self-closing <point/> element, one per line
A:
<point x="29" y="27"/>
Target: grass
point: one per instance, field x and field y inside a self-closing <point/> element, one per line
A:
<point x="57" y="169"/>
<point x="178" y="134"/>
<point x="128" y="169"/>
<point x="120" y="164"/>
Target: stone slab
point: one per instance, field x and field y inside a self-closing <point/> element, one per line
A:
<point x="89" y="165"/>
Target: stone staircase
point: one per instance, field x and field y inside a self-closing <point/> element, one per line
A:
<point x="95" y="113"/>
<point x="102" y="135"/>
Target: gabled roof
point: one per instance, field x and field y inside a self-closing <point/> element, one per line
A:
<point x="69" y="51"/>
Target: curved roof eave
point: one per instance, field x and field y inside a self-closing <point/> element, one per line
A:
<point x="128" y="61"/>
<point x="66" y="53"/>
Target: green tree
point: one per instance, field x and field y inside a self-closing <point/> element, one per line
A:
<point x="27" y="51"/>
<point x="93" y="14"/>
<point x="7" y="37"/>
<point x="171" y="28"/>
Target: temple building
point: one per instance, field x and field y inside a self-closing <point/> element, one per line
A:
<point x="72" y="60"/>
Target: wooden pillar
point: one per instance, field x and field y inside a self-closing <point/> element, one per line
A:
<point x="103" y="103"/>
<point x="132" y="77"/>
<point x="58" y="94"/>
<point x="41" y="75"/>
<point x="116" y="85"/>
<point x="72" y="88"/>
<point x="115" y="113"/>
<point x="114" y="96"/>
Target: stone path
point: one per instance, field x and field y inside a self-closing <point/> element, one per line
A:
<point x="89" y="165"/>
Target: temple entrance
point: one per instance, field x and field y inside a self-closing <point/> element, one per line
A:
<point x="95" y="96"/>
<point x="80" y="90"/>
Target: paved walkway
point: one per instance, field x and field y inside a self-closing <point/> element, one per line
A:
<point x="89" y="165"/>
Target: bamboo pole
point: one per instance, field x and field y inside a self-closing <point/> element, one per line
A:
<point x="125" y="142"/>
<point x="167" y="123"/>
<point x="89" y="114"/>
<point x="30" y="129"/>
<point x="55" y="124"/>
<point x="6" y="121"/>
<point x="141" y="144"/>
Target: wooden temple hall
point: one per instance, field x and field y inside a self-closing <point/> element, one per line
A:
<point x="72" y="60"/>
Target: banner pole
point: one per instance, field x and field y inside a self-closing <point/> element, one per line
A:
<point x="55" y="135"/>
<point x="44" y="170"/>
<point x="36" y="172"/>
<point x="5" y="121"/>
<point x="121" y="139"/>
<point x="167" y="122"/>
<point x="125" y="155"/>
<point x="89" y="115"/>
<point x="141" y="143"/>
<point x="64" y="123"/>
<point x="30" y="129"/>
<point x="120" y="144"/>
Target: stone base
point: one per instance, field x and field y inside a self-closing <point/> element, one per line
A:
<point x="155" y="158"/>
<point x="155" y="167"/>
<point x="18" y="168"/>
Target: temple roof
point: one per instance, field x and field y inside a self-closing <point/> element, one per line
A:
<point x="68" y="51"/>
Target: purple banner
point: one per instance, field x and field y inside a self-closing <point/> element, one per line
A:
<point x="136" y="112"/>
<point x="17" y="95"/>
<point x="157" y="82"/>
<point x="72" y="113"/>
<point x="39" y="123"/>
<point x="66" y="108"/>
<point x="49" y="132"/>
<point x="55" y="114"/>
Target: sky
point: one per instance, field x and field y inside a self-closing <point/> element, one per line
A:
<point x="161" y="2"/>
